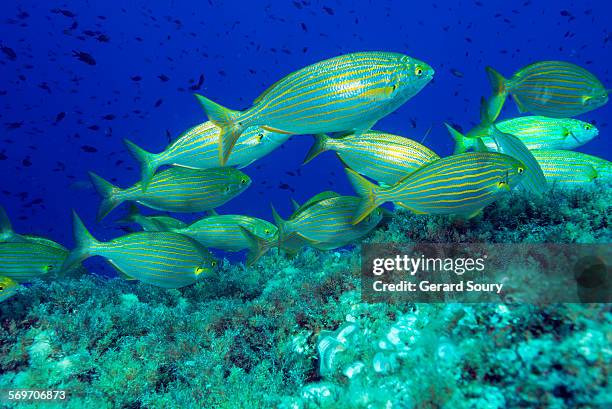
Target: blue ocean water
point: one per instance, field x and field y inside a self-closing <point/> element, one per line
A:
<point x="62" y="117"/>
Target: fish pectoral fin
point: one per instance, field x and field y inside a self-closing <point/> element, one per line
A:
<point x="271" y="129"/>
<point x="381" y="93"/>
<point x="244" y="165"/>
<point x="473" y="214"/>
<point x="409" y="208"/>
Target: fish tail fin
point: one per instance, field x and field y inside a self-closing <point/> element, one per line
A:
<point x="485" y="116"/>
<point x="500" y="92"/>
<point x="108" y="191"/>
<point x="280" y="223"/>
<point x="84" y="243"/>
<point x="227" y="120"/>
<point x="146" y="160"/>
<point x="368" y="192"/>
<point x="462" y="143"/>
<point x="131" y="215"/>
<point x="6" y="228"/>
<point x="319" y="146"/>
<point x="257" y="246"/>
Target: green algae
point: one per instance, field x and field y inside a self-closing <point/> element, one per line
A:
<point x="252" y="337"/>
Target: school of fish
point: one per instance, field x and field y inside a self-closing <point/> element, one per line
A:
<point x="338" y="101"/>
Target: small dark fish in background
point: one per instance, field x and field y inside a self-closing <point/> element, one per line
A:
<point x="197" y="86"/>
<point x="9" y="52"/>
<point x="89" y="149"/>
<point x="84" y="57"/>
<point x="456" y="73"/>
<point x="63" y="12"/>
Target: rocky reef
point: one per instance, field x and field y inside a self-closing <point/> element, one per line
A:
<point x="295" y="333"/>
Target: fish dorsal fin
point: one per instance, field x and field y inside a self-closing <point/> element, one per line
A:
<point x="426" y="133"/>
<point x="296" y="206"/>
<point x="328" y="194"/>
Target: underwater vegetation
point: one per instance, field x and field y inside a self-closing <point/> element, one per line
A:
<point x="289" y="328"/>
<point x="294" y="332"/>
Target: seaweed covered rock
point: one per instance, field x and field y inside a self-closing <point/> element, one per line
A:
<point x="295" y="333"/>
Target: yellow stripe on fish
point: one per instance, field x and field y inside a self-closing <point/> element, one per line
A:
<point x="535" y="132"/>
<point x="225" y="231"/>
<point x="326" y="223"/>
<point x="26" y="261"/>
<point x="568" y="168"/>
<point x="554" y="89"/>
<point x="197" y="148"/>
<point x="460" y="184"/>
<point x="163" y="259"/>
<point x="346" y="93"/>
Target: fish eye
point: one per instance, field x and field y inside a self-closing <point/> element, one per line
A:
<point x="267" y="231"/>
<point x="260" y="137"/>
<point x="520" y="170"/>
<point x="1" y="287"/>
<point x="213" y="263"/>
<point x="243" y="181"/>
<point x="588" y="127"/>
<point x="418" y="71"/>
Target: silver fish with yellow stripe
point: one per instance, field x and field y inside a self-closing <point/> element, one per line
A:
<point x="52" y="249"/>
<point x="8" y="288"/>
<point x="198" y="148"/>
<point x="7" y="234"/>
<point x="327" y="223"/>
<point x="223" y="231"/>
<point x="176" y="189"/>
<point x="533" y="179"/>
<point x="27" y="261"/>
<point x="460" y="184"/>
<point x="163" y="259"/>
<point x="555" y="89"/>
<point x="381" y="156"/>
<point x="569" y="168"/>
<point x="227" y="232"/>
<point x="536" y="132"/>
<point x="348" y="93"/>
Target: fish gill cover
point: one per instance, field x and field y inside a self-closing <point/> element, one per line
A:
<point x="369" y="123"/>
